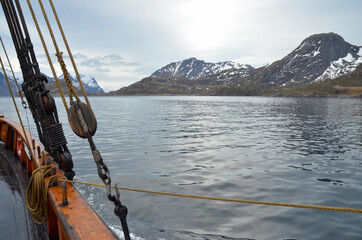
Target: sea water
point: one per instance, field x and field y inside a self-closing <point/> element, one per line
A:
<point x="293" y="150"/>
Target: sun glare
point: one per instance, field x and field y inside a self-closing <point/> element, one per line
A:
<point x="206" y="24"/>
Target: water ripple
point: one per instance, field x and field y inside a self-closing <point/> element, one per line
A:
<point x="297" y="150"/>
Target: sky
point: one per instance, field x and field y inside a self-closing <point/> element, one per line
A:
<point x="119" y="42"/>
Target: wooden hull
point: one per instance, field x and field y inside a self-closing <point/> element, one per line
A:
<point x="74" y="221"/>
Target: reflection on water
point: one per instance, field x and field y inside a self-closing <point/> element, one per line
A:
<point x="297" y="150"/>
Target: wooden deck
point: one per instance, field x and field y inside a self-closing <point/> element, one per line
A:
<point x="15" y="218"/>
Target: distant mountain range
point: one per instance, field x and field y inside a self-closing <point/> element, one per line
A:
<point x="317" y="58"/>
<point x="90" y="84"/>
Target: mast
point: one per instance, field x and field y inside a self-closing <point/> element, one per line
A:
<point x="40" y="101"/>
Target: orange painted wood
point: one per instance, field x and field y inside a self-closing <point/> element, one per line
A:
<point x="61" y="232"/>
<point x="75" y="221"/>
<point x="4" y="132"/>
<point x="52" y="223"/>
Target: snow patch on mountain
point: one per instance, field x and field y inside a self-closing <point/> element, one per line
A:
<point x="232" y="74"/>
<point x="89" y="83"/>
<point x="341" y="66"/>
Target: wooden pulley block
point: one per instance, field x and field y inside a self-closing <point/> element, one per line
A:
<point x="82" y="119"/>
<point x="66" y="164"/>
<point x="48" y="103"/>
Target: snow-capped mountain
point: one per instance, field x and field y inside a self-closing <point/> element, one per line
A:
<point x="318" y="57"/>
<point x="193" y="68"/>
<point x="89" y="83"/>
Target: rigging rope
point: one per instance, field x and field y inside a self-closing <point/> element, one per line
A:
<point x="69" y="52"/>
<point x="59" y="56"/>
<point x="16" y="106"/>
<point x="37" y="193"/>
<point x="280" y="204"/>
<point x="48" y="55"/>
<point x="59" y="53"/>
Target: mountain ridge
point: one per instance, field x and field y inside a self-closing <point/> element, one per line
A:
<point x="308" y="61"/>
<point x="193" y="68"/>
<point x="317" y="58"/>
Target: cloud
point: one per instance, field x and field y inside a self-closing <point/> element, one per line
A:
<point x="104" y="63"/>
<point x="111" y="71"/>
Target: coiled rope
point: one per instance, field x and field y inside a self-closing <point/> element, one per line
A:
<point x="280" y="204"/>
<point x="37" y="193"/>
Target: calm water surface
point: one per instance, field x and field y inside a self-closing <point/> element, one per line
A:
<point x="294" y="150"/>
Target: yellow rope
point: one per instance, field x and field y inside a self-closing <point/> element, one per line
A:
<point x="341" y="209"/>
<point x="69" y="53"/>
<point x="48" y="55"/>
<point x="59" y="56"/>
<point x="37" y="193"/>
<point x="16" y="108"/>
